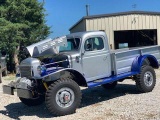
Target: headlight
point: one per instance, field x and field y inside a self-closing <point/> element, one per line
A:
<point x="41" y="70"/>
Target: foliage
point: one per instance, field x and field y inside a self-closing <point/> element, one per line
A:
<point x="22" y="22"/>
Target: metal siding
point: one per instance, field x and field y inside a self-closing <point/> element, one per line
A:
<point x="111" y="31"/>
<point x="80" y="27"/>
<point x="87" y="25"/>
<point x="132" y="22"/>
<point x="99" y="22"/>
<point x="150" y="22"/>
<point x="103" y="23"/>
<point x="114" y="23"/>
<point x="118" y="23"/>
<point x="91" y="24"/>
<point x="147" y="22"/>
<point x="143" y="22"/>
<point x="140" y="21"/>
<point x="123" y="22"/>
<point x="154" y="22"/>
<point x="129" y="22"/>
<point x="95" y="24"/>
<point x="158" y="21"/>
<point x="137" y="22"/>
<point x="107" y="28"/>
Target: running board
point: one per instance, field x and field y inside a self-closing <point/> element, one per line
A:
<point x="110" y="79"/>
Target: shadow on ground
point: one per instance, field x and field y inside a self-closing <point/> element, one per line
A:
<point x="90" y="97"/>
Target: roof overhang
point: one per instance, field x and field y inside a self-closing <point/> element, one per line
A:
<point x="115" y="14"/>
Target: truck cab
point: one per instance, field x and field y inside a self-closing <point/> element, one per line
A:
<point x="92" y="55"/>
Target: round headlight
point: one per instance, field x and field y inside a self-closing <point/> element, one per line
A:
<point x="41" y="70"/>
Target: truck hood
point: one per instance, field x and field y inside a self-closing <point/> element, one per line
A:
<point x="47" y="47"/>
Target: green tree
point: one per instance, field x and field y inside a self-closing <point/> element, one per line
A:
<point x="22" y="22"/>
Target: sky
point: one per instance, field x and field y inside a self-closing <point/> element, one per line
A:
<point x="63" y="14"/>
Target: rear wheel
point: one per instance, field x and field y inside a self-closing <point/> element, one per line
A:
<point x="146" y="79"/>
<point x="110" y="85"/>
<point x="146" y="62"/>
<point x="32" y="102"/>
<point x="63" y="97"/>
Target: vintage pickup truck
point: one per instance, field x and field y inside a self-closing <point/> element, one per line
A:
<point x="57" y="67"/>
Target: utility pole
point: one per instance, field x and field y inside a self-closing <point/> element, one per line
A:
<point x="87" y="10"/>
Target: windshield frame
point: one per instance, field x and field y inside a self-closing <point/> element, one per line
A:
<point x="80" y="41"/>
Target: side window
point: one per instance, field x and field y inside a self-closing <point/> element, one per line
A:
<point x="95" y="43"/>
<point x="88" y="46"/>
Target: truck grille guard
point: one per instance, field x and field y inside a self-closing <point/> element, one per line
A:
<point x="25" y="71"/>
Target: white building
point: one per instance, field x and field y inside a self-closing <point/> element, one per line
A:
<point x="125" y="29"/>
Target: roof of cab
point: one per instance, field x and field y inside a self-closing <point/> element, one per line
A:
<point x="85" y="33"/>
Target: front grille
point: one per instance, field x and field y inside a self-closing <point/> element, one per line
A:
<point x="25" y="71"/>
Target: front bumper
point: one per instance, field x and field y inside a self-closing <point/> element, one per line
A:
<point x="8" y="90"/>
<point x="21" y="92"/>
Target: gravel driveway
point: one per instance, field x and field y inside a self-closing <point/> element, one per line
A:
<point x="122" y="103"/>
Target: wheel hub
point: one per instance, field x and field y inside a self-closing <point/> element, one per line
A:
<point x="65" y="97"/>
<point x="148" y="78"/>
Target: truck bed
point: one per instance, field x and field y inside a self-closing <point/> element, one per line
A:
<point x="122" y="59"/>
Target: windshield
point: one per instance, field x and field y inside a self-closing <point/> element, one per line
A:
<point x="73" y="44"/>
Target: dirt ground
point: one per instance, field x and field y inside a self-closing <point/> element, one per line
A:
<point x="122" y="103"/>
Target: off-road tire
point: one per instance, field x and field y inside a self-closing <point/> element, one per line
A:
<point x="53" y="91"/>
<point x="32" y="102"/>
<point x="110" y="85"/>
<point x="146" y="62"/>
<point x="140" y="79"/>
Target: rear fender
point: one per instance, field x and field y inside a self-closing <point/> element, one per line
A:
<point x="138" y="62"/>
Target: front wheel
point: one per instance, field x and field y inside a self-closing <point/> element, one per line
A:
<point x="146" y="79"/>
<point x="33" y="102"/>
<point x="63" y="97"/>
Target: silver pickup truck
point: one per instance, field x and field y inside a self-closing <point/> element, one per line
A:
<point x="57" y="67"/>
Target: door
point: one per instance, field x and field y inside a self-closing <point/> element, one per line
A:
<point x="96" y="61"/>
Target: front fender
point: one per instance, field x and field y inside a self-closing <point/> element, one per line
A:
<point x="138" y="62"/>
<point x="78" y="77"/>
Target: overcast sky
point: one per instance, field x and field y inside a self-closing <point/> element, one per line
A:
<point x="63" y="14"/>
